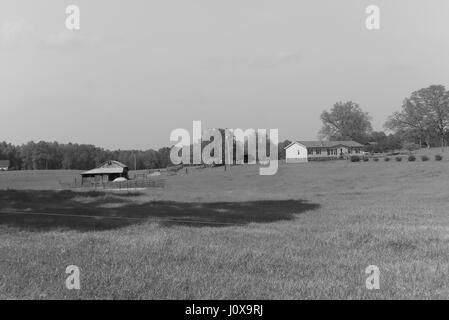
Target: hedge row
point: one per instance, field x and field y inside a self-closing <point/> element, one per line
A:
<point x="398" y="158"/>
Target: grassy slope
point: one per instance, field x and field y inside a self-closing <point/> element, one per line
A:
<point x="393" y="215"/>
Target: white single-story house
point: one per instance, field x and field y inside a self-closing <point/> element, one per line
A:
<point x="303" y="151"/>
<point x="4" y="165"/>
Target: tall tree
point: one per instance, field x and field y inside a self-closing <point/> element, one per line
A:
<point x="346" y="121"/>
<point x="424" y="113"/>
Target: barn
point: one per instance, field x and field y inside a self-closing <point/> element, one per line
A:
<point x="304" y="151"/>
<point x="108" y="171"/>
<point x="4" y="165"/>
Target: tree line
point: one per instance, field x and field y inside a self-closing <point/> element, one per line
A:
<point x="54" y="155"/>
<point x="423" y="121"/>
<point x="72" y="156"/>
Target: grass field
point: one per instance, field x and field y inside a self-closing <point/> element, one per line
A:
<point x="308" y="232"/>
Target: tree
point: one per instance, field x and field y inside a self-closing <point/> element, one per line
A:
<point x="281" y="151"/>
<point x="424" y="114"/>
<point x="346" y="121"/>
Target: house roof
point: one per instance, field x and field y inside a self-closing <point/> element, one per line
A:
<point x="4" y="163"/>
<point x="326" y="144"/>
<point x="109" y="167"/>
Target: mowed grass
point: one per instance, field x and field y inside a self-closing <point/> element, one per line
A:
<point x="312" y="230"/>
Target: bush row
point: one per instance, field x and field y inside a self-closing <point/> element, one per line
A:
<point x="398" y="158"/>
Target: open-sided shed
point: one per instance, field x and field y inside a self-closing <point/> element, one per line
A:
<point x="108" y="171"/>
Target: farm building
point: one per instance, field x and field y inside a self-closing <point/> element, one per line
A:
<point x="303" y="151"/>
<point x="4" y="165"/>
<point x="108" y="171"/>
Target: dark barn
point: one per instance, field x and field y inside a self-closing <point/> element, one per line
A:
<point x="108" y="171"/>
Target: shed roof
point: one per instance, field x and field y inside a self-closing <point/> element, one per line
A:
<point x="109" y="167"/>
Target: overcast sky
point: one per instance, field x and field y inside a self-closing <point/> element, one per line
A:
<point x="136" y="70"/>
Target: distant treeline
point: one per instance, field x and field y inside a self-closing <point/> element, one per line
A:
<point x="72" y="156"/>
<point x="54" y="155"/>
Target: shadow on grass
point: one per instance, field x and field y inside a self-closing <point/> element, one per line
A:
<point x="49" y="210"/>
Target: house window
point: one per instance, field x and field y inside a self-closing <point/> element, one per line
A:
<point x="298" y="152"/>
<point x="309" y="151"/>
<point x="318" y="151"/>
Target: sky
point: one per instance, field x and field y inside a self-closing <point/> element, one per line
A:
<point x="137" y="70"/>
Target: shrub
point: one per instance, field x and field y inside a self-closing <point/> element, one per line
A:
<point x="387" y="159"/>
<point x="365" y="159"/>
<point x="438" y="157"/>
<point x="398" y="159"/>
<point x="376" y="159"/>
<point x="424" y="158"/>
<point x="355" y="158"/>
<point x="411" y="158"/>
